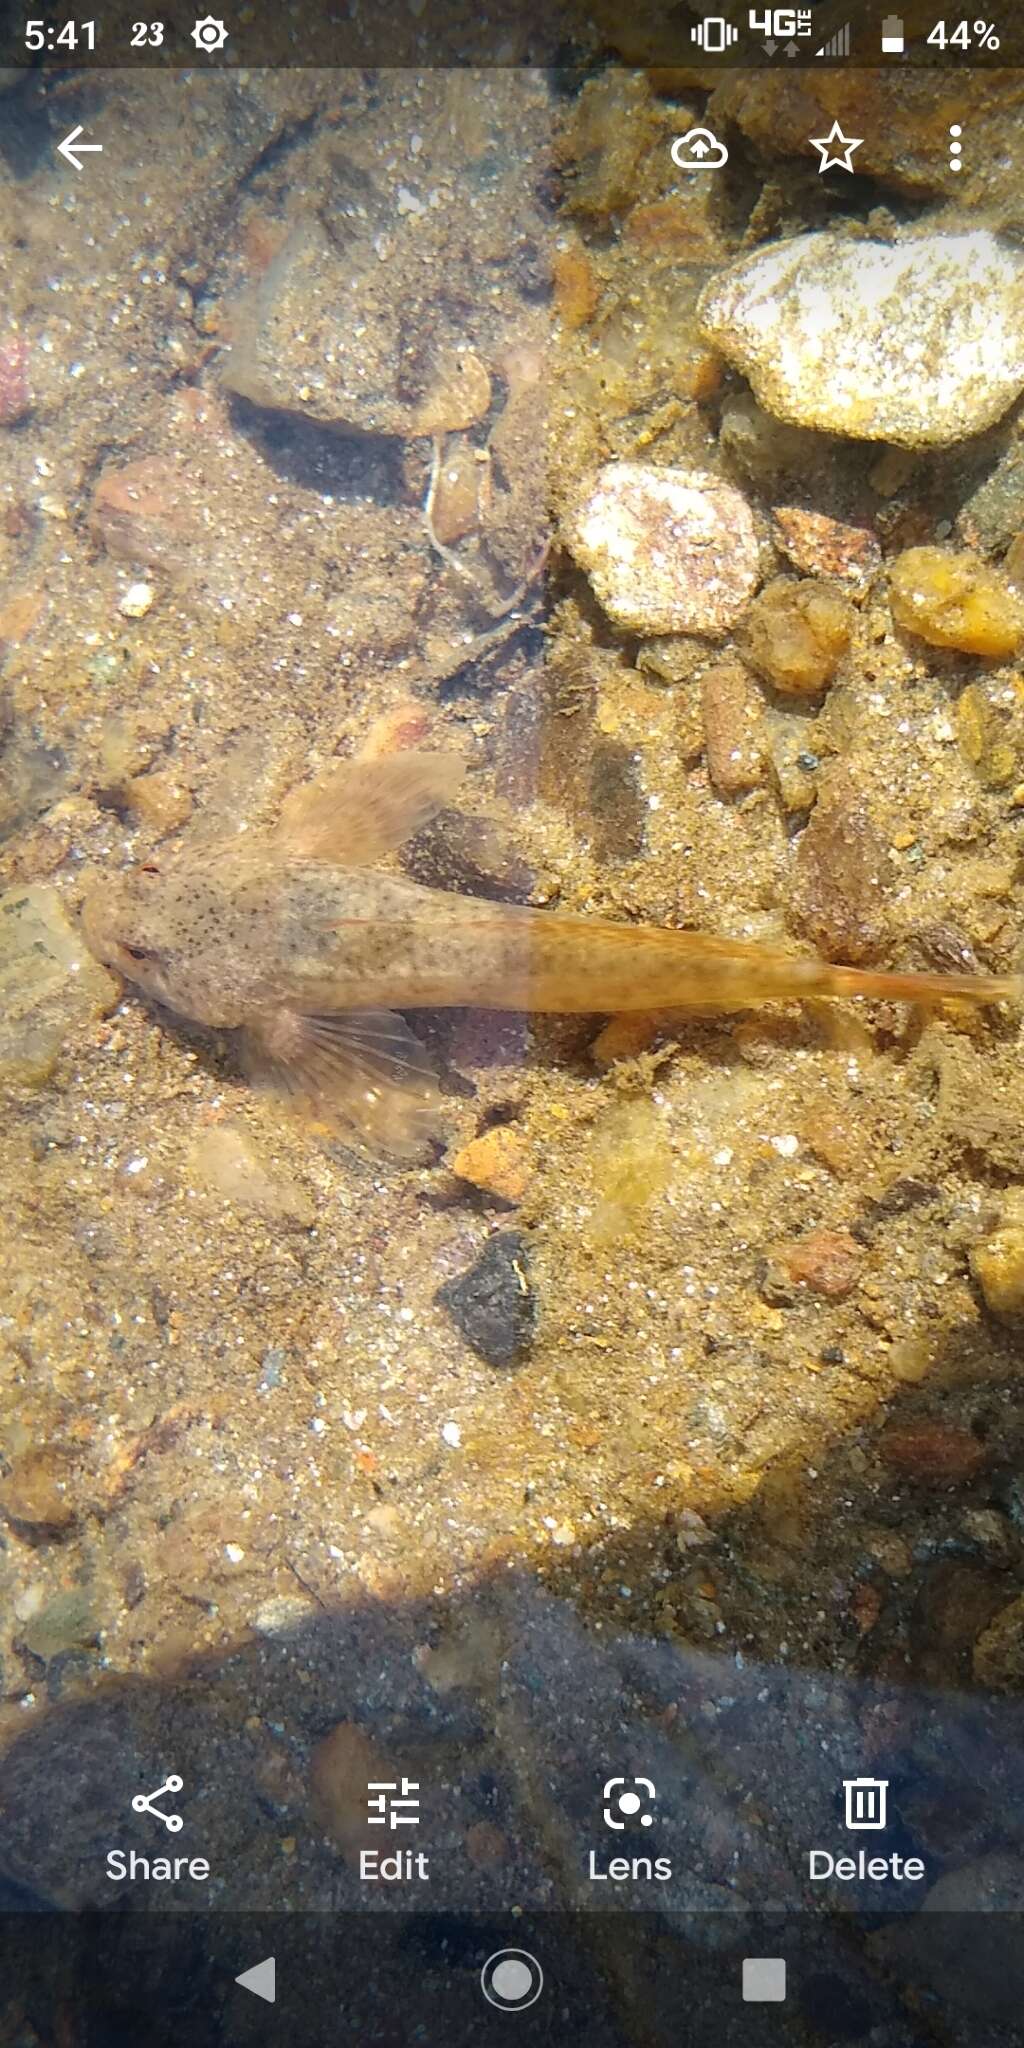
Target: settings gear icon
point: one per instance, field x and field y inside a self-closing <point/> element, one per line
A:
<point x="209" y="34"/>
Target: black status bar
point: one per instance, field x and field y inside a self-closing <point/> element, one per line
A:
<point x="420" y="34"/>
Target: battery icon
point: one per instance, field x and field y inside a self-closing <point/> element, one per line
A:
<point x="893" y="43"/>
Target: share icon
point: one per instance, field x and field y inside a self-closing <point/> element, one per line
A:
<point x="144" y="1802"/>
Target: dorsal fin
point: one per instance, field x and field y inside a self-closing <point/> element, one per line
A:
<point x="361" y="810"/>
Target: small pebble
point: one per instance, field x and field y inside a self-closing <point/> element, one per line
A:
<point x="226" y="1160"/>
<point x="37" y="1492"/>
<point x="998" y="1262"/>
<point x="342" y="1766"/>
<point x="990" y="728"/>
<point x="137" y="600"/>
<point x="15" y="393"/>
<point x="918" y="341"/>
<point x="140" y="512"/>
<point x="733" y="728"/>
<point x="932" y="1453"/>
<point x="827" y="1262"/>
<point x="497" y="1162"/>
<point x="50" y="985"/>
<point x="999" y="1650"/>
<point x="66" y="1622"/>
<point x="840" y="874"/>
<point x="159" y="799"/>
<point x="796" y="634"/>
<point x="667" y="550"/>
<point x="957" y="601"/>
<point x="486" y="1846"/>
<point x="281" y="1612"/>
<point x="820" y="546"/>
<point x="576" y="285"/>
<point x="622" y="1038"/>
<point x="493" y="1305"/>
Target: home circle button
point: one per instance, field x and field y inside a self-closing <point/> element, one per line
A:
<point x="511" y="1979"/>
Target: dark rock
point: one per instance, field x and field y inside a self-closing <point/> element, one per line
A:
<point x="616" y="802"/>
<point x="493" y="1306"/>
<point x="839" y="883"/>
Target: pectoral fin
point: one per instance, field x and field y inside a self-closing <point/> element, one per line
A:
<point x="365" y="1066"/>
<point x="361" y="810"/>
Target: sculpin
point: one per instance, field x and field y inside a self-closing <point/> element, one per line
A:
<point x="292" y="940"/>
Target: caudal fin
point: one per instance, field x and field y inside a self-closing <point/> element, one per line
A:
<point x="924" y="988"/>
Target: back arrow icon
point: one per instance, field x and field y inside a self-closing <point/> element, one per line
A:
<point x="73" y="150"/>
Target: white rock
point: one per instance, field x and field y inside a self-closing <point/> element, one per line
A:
<point x="918" y="341"/>
<point x="137" y="600"/>
<point x="667" y="550"/>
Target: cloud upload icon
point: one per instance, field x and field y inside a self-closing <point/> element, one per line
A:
<point x="699" y="150"/>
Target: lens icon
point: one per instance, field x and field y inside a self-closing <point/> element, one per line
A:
<point x="511" y="1979"/>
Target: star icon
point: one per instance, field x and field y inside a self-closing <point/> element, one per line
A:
<point x="836" y="149"/>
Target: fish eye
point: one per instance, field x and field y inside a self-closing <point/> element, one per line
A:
<point x="149" y="867"/>
<point x="137" y="952"/>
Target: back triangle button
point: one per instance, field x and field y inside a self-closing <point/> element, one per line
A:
<point x="262" y="1979"/>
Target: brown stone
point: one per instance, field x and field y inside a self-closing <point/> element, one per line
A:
<point x="577" y="286"/>
<point x="932" y="1453"/>
<point x="138" y="512"/>
<point x="796" y="633"/>
<point x="957" y="601"/>
<point x="341" y="1767"/>
<point x="999" y="1650"/>
<point x="37" y="1492"/>
<point x="733" y="728"/>
<point x="820" y="546"/>
<point x="19" y="615"/>
<point x="159" y="799"/>
<point x="497" y="1162"/>
<point x="840" y="877"/>
<point x="827" y="1262"/>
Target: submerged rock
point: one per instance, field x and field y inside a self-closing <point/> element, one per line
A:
<point x="667" y="550"/>
<point x="958" y="601"/>
<point x="49" y="983"/>
<point x="838" y="891"/>
<point x="822" y="546"/>
<point x="317" y="335"/>
<point x="998" y="1262"/>
<point x="493" y="1306"/>
<point x="919" y="341"/>
<point x="733" y="728"/>
<point x="225" y="1159"/>
<point x="497" y="1162"/>
<point x="796" y="634"/>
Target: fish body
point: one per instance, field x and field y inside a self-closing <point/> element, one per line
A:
<point x="295" y="941"/>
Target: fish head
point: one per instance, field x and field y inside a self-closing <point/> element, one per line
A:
<point x="168" y="928"/>
<point x="124" y="925"/>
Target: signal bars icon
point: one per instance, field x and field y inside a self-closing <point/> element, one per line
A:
<point x="714" y="33"/>
<point x="837" y="45"/>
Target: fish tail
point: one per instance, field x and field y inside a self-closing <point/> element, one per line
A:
<point x="921" y="988"/>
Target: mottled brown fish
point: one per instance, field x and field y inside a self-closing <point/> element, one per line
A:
<point x="289" y="938"/>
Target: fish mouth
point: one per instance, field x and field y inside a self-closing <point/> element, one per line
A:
<point x="98" y="913"/>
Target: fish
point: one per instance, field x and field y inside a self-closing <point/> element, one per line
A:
<point x="292" y="940"/>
